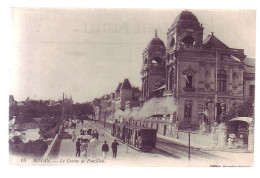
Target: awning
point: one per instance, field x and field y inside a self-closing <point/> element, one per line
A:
<point x="160" y="88"/>
<point x="249" y="120"/>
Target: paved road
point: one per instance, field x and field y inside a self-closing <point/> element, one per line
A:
<point x="126" y="155"/>
<point x="167" y="153"/>
<point x="174" y="150"/>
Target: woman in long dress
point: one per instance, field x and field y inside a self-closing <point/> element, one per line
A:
<point x="84" y="147"/>
<point x="73" y="135"/>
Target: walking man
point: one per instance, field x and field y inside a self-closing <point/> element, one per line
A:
<point x="78" y="148"/>
<point x="105" y="149"/>
<point x="82" y="121"/>
<point x="114" y="148"/>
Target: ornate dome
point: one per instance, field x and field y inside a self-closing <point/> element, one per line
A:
<point x="155" y="41"/>
<point x="185" y="16"/>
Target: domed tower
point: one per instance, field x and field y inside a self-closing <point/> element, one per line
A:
<point x="185" y="33"/>
<point x="184" y="76"/>
<point x="186" y="30"/>
<point x="153" y="69"/>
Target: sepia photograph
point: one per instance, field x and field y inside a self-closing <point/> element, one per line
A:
<point x="132" y="87"/>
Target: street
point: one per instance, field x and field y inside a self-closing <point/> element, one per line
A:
<point x="166" y="153"/>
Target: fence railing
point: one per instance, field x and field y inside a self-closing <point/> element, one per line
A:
<point x="53" y="144"/>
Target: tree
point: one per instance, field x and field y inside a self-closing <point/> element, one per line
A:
<point x="82" y="109"/>
<point x="245" y="109"/>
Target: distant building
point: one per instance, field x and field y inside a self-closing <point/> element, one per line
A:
<point x="12" y="102"/>
<point x="111" y="106"/>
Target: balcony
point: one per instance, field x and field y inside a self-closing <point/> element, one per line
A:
<point x="188" y="47"/>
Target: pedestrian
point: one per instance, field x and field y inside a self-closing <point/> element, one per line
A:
<point x="105" y="149"/>
<point x="73" y="135"/>
<point x="78" y="148"/>
<point x="97" y="135"/>
<point x="66" y="124"/>
<point x="89" y="131"/>
<point x="84" y="147"/>
<point x="74" y="123"/>
<point x="93" y="143"/>
<point x="82" y="132"/>
<point x="93" y="134"/>
<point x="70" y="124"/>
<point x="82" y="121"/>
<point x="114" y="148"/>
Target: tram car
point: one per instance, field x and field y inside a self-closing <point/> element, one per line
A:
<point x="139" y="137"/>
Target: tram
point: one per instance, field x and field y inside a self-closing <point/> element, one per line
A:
<point x="142" y="138"/>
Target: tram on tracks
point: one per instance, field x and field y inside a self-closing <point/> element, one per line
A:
<point x="139" y="137"/>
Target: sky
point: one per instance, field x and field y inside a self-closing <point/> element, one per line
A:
<point x="85" y="53"/>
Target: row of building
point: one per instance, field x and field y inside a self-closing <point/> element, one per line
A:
<point x="205" y="78"/>
<point x="111" y="107"/>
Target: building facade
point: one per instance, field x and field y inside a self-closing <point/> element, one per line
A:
<point x="153" y="73"/>
<point x="203" y="76"/>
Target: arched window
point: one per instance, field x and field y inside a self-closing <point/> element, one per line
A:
<point x="157" y="60"/>
<point x="222" y="81"/>
<point x="170" y="78"/>
<point x="145" y="88"/>
<point x="145" y="61"/>
<point x="189" y="40"/>
<point x="188" y="109"/>
<point x="189" y="81"/>
<point x="172" y="42"/>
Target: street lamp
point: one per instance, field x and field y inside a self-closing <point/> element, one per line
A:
<point x="189" y="127"/>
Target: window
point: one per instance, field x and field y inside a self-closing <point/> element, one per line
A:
<point x="252" y="90"/>
<point x="171" y="78"/>
<point x="157" y="60"/>
<point x="188" y="109"/>
<point x="189" y="82"/>
<point x="172" y="42"/>
<point x="145" y="61"/>
<point x="222" y="81"/>
<point x="189" y="40"/>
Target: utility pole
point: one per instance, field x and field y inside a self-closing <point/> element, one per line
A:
<point x="62" y="108"/>
<point x="189" y="129"/>
<point x="216" y="87"/>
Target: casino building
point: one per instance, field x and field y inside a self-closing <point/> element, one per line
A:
<point x="205" y="77"/>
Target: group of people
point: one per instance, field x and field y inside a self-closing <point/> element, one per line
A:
<point x="82" y="146"/>
<point x="93" y="133"/>
<point x="105" y="149"/>
<point x="87" y="142"/>
<point x="85" y="146"/>
<point x="71" y="123"/>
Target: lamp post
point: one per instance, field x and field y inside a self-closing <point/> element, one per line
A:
<point x="189" y="129"/>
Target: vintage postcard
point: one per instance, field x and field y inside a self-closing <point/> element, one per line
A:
<point x="132" y="87"/>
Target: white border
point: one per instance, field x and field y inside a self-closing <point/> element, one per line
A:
<point x="12" y="171"/>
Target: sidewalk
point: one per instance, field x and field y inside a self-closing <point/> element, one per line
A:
<point x="184" y="142"/>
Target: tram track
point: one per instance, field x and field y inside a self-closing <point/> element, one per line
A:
<point x="172" y="149"/>
<point x="182" y="151"/>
